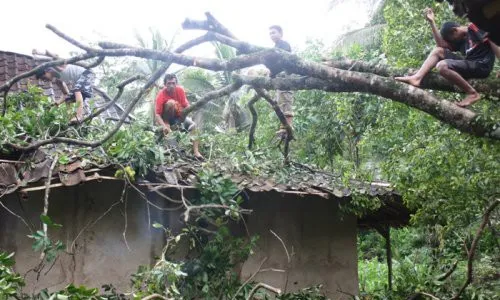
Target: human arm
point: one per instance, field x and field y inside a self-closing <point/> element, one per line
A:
<point x="165" y="126"/>
<point x="64" y="89"/>
<point x="51" y="54"/>
<point x="496" y="50"/>
<point x="159" y="102"/>
<point x="183" y="101"/>
<point x="429" y="16"/>
<point x="45" y="53"/>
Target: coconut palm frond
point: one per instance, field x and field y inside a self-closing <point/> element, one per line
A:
<point x="197" y="81"/>
<point x="224" y="51"/>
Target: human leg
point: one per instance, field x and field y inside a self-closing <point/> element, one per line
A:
<point x="190" y="126"/>
<point x="434" y="57"/>
<point x="456" y="71"/>
<point x="285" y="102"/>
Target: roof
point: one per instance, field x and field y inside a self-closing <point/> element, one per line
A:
<point x="302" y="182"/>
<point x="13" y="64"/>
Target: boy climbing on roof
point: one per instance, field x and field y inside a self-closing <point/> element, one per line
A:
<point x="80" y="80"/>
<point x="478" y="56"/>
<point x="284" y="98"/>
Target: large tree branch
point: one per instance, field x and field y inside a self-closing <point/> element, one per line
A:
<point x="432" y="81"/>
<point x="292" y="83"/>
<point x="110" y="102"/>
<point x="242" y="47"/>
<point x="445" y="111"/>
<point x="210" y="24"/>
<point x="322" y="76"/>
<point x="224" y="91"/>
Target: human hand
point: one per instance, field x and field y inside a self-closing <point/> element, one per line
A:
<point x="429" y="14"/>
<point x="166" y="130"/>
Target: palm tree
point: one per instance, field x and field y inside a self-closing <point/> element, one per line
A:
<point x="225" y="110"/>
<point x="155" y="41"/>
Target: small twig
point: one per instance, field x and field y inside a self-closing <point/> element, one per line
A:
<point x="450" y="271"/>
<point x="15" y="215"/>
<point x="154" y="296"/>
<point x="264" y="286"/>
<point x="126" y="221"/>
<point x="429" y="295"/>
<point x="110" y="102"/>
<point x="250" y="278"/>
<point x="272" y="270"/>
<point x="284" y="246"/>
<point x="144" y="197"/>
<point x="346" y="293"/>
<point x="12" y="161"/>
<point x="46" y="198"/>
<point x="189" y="208"/>
<point x="98" y="219"/>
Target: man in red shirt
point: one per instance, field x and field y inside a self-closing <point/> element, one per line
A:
<point x="170" y="102"/>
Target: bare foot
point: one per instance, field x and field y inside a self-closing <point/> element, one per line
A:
<point x="470" y="99"/>
<point x="413" y="80"/>
<point x="198" y="156"/>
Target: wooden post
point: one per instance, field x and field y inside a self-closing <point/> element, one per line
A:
<point x="385" y="231"/>
<point x="388" y="251"/>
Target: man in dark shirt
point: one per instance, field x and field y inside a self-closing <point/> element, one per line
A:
<point x="284" y="98"/>
<point x="477" y="60"/>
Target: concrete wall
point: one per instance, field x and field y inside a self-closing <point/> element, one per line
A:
<point x="322" y="246"/>
<point x="100" y="253"/>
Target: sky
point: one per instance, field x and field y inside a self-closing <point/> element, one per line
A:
<point x="23" y="22"/>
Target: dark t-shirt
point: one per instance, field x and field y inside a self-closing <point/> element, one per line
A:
<point x="477" y="47"/>
<point x="281" y="44"/>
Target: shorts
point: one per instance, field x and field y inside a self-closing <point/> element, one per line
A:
<point x="467" y="68"/>
<point x="187" y="125"/>
<point x="83" y="84"/>
<point x="285" y="102"/>
<point x="175" y="122"/>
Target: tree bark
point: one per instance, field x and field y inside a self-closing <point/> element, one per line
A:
<point x="432" y="81"/>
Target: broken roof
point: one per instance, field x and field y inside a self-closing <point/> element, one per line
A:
<point x="301" y="182"/>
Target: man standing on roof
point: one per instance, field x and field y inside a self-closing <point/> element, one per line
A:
<point x="284" y="98"/>
<point x="80" y="80"/>
<point x="170" y="102"/>
<point x="477" y="60"/>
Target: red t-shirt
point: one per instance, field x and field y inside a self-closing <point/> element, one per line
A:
<point x="163" y="96"/>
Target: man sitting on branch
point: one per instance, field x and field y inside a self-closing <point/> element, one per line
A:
<point x="170" y="102"/>
<point x="477" y="60"/>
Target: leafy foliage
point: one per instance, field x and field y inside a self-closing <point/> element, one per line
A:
<point x="10" y="282"/>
